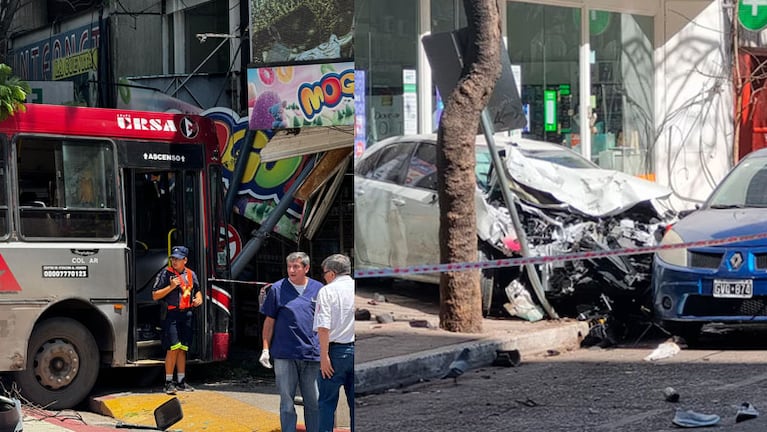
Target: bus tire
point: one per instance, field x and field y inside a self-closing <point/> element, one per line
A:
<point x="62" y="364"/>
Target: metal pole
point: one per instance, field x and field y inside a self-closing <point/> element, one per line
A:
<point x="487" y="128"/>
<point x="202" y="63"/>
<point x="254" y="244"/>
<point x="239" y="169"/>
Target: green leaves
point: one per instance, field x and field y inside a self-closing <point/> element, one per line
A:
<point x="13" y="92"/>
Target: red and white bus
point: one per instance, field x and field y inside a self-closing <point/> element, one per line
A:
<point x="90" y="202"/>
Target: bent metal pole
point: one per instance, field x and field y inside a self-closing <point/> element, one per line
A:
<point x="508" y="197"/>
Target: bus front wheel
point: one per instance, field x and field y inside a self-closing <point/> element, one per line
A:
<point x="62" y="364"/>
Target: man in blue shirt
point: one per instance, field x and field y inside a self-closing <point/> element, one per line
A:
<point x="290" y="339"/>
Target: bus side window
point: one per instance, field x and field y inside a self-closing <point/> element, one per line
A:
<point x="67" y="188"/>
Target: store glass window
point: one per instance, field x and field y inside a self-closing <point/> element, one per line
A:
<point x="544" y="41"/>
<point x="386" y="44"/>
<point x="3" y="191"/>
<point x="621" y="62"/>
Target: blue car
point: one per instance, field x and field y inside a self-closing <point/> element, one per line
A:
<point x="724" y="283"/>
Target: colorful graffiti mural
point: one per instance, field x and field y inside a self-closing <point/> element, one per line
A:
<point x="263" y="184"/>
<point x="300" y="96"/>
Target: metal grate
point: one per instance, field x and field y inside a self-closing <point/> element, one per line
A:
<point x="705" y="259"/>
<point x="710" y="306"/>
<point x="761" y="261"/>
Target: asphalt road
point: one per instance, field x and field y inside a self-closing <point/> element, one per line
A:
<point x="587" y="390"/>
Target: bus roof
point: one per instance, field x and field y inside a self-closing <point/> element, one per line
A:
<point x="109" y="123"/>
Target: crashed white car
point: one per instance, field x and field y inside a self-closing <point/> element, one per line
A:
<point x="567" y="204"/>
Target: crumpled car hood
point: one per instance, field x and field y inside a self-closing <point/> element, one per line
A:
<point x="594" y="192"/>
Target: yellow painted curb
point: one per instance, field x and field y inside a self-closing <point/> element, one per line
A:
<point x="203" y="411"/>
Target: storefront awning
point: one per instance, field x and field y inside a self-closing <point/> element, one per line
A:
<point x="309" y="140"/>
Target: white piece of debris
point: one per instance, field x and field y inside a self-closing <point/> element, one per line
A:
<point x="665" y="350"/>
<point x="521" y="303"/>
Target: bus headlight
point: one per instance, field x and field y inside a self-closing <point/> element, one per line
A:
<point x="677" y="256"/>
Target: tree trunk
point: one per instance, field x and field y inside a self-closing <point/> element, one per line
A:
<point x="460" y="298"/>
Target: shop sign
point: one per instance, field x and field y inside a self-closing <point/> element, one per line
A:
<point x="752" y="14"/>
<point x="550" y="110"/>
<point x="410" y="102"/>
<point x="297" y="96"/>
<point x="360" y="131"/>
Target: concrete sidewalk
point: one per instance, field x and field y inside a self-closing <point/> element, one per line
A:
<point x="397" y="353"/>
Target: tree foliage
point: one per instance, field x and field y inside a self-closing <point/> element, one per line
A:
<point x="13" y="92"/>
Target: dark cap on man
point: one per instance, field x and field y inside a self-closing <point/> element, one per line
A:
<point x="179" y="252"/>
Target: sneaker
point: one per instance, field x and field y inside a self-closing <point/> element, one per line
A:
<point x="170" y="388"/>
<point x="184" y="386"/>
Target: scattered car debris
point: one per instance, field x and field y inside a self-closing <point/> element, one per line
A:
<point x="362" y="315"/>
<point x="746" y="411"/>
<point x="521" y="303"/>
<point x="690" y="419"/>
<point x="507" y="358"/>
<point x="664" y="350"/>
<point x="565" y="202"/>
<point x="670" y="394"/>
<point x="601" y="333"/>
<point x="421" y="323"/>
<point x="385" y="318"/>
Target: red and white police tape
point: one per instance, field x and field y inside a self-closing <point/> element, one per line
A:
<point x="511" y="262"/>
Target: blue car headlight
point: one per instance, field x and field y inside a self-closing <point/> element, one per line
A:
<point x="676" y="256"/>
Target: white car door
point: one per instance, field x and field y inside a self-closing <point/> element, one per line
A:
<point x="375" y="181"/>
<point x="416" y="210"/>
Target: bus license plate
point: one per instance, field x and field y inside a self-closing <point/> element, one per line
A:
<point x="734" y="288"/>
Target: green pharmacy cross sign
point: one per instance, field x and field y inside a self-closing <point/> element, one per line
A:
<point x="752" y="14"/>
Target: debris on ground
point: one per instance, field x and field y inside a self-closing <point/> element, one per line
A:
<point x="670" y="394"/>
<point x="689" y="418"/>
<point x="507" y="358"/>
<point x="421" y="323"/>
<point x="362" y="315"/>
<point x="521" y="303"/>
<point x="665" y="350"/>
<point x="385" y="318"/>
<point x="746" y="411"/>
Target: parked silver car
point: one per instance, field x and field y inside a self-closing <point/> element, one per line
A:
<point x="567" y="203"/>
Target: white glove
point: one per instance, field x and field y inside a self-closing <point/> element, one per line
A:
<point x="264" y="359"/>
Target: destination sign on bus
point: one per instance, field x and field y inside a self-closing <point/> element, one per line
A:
<point x="160" y="155"/>
<point x="65" y="271"/>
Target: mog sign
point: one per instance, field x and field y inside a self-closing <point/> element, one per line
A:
<point x="752" y="14"/>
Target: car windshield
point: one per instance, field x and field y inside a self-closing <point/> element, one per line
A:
<point x="745" y="186"/>
<point x="562" y="157"/>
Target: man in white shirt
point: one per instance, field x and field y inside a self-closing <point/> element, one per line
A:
<point x="334" y="324"/>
